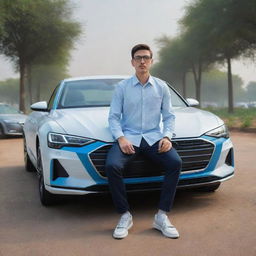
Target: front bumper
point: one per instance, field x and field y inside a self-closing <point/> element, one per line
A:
<point x="78" y="175"/>
<point x="12" y="128"/>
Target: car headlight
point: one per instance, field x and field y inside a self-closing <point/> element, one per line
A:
<point x="58" y="140"/>
<point x="219" y="132"/>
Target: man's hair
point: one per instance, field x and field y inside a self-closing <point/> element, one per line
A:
<point x="139" y="47"/>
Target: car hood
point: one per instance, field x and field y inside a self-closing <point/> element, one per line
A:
<point x="13" y="117"/>
<point x="93" y="122"/>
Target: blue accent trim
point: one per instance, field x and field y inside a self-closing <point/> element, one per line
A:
<point x="83" y="155"/>
<point x="51" y="170"/>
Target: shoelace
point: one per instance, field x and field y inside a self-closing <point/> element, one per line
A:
<point x="123" y="223"/>
<point x="166" y="223"/>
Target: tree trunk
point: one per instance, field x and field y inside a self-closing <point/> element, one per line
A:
<point x="38" y="91"/>
<point x="22" y="86"/>
<point x="197" y="78"/>
<point x="30" y="84"/>
<point x="230" y="88"/>
<point x="184" y="89"/>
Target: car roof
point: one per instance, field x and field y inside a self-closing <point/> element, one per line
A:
<point x="96" y="77"/>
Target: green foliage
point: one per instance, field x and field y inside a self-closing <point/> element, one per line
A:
<point x="36" y="32"/>
<point x="9" y="91"/>
<point x="241" y="118"/>
<point x="44" y="79"/>
<point x="36" y="29"/>
<point x="246" y="121"/>
<point x="251" y="91"/>
<point x="211" y="31"/>
<point x="214" y="88"/>
<point x="222" y="26"/>
<point x="230" y="122"/>
<point x="174" y="61"/>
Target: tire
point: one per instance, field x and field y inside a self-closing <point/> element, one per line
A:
<point x="2" y="135"/>
<point x="29" y="167"/>
<point x="46" y="198"/>
<point x="210" y="188"/>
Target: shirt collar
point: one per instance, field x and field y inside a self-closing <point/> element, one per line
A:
<point x="135" y="80"/>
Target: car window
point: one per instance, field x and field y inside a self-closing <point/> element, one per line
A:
<point x="87" y="93"/>
<point x="7" y="109"/>
<point x="177" y="100"/>
<point x="97" y="92"/>
<point x="51" y="101"/>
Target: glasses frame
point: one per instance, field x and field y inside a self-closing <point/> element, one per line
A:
<point x="146" y="58"/>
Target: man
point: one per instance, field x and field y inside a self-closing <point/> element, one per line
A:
<point x="134" y="118"/>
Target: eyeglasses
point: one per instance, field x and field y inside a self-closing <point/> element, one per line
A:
<point x="139" y="58"/>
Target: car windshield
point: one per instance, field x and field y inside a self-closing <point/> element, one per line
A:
<point x="7" y="109"/>
<point x="97" y="93"/>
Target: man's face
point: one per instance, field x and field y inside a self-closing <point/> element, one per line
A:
<point x="142" y="61"/>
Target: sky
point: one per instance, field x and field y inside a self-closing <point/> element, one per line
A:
<point x="112" y="27"/>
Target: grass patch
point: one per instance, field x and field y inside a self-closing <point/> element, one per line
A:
<point x="241" y="118"/>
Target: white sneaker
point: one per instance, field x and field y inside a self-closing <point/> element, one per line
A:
<point x="124" y="224"/>
<point x="163" y="224"/>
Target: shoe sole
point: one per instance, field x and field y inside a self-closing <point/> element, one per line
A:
<point x="159" y="228"/>
<point x="121" y="237"/>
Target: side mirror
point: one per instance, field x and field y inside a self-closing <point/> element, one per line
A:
<point x="40" y="106"/>
<point x="192" y="102"/>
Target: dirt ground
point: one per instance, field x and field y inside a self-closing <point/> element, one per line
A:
<point x="220" y="223"/>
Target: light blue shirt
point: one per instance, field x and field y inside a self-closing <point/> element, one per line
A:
<point x="136" y="111"/>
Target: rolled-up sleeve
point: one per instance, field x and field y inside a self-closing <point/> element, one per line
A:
<point x="115" y="113"/>
<point x="168" y="116"/>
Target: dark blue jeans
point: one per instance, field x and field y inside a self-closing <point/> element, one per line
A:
<point x="117" y="160"/>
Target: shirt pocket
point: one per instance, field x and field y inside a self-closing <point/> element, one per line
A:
<point x="154" y="103"/>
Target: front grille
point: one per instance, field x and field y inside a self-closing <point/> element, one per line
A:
<point x="195" y="155"/>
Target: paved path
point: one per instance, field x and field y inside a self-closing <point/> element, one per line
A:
<point x="220" y="223"/>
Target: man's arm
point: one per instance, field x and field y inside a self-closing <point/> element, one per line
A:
<point x="168" y="119"/>
<point x="115" y="113"/>
<point x="114" y="119"/>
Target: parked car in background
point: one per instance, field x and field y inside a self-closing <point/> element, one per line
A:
<point x="252" y="104"/>
<point x="67" y="139"/>
<point x="11" y="120"/>
<point x="241" y="105"/>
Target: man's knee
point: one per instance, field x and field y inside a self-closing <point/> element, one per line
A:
<point x="174" y="164"/>
<point x="113" y="168"/>
<point x="177" y="163"/>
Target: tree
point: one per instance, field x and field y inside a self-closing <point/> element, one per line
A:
<point x="46" y="78"/>
<point x="215" y="91"/>
<point x="251" y="91"/>
<point x="218" y="29"/>
<point x="182" y="55"/>
<point x="35" y="31"/>
<point x="173" y="64"/>
<point x="9" y="91"/>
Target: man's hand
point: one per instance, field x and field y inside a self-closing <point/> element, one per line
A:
<point x="164" y="145"/>
<point x="126" y="146"/>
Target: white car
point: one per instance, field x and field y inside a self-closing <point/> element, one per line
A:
<point x="11" y="121"/>
<point x="67" y="139"/>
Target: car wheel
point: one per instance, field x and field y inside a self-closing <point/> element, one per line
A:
<point x="29" y="167"/>
<point x="46" y="197"/>
<point x="210" y="188"/>
<point x="2" y="135"/>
